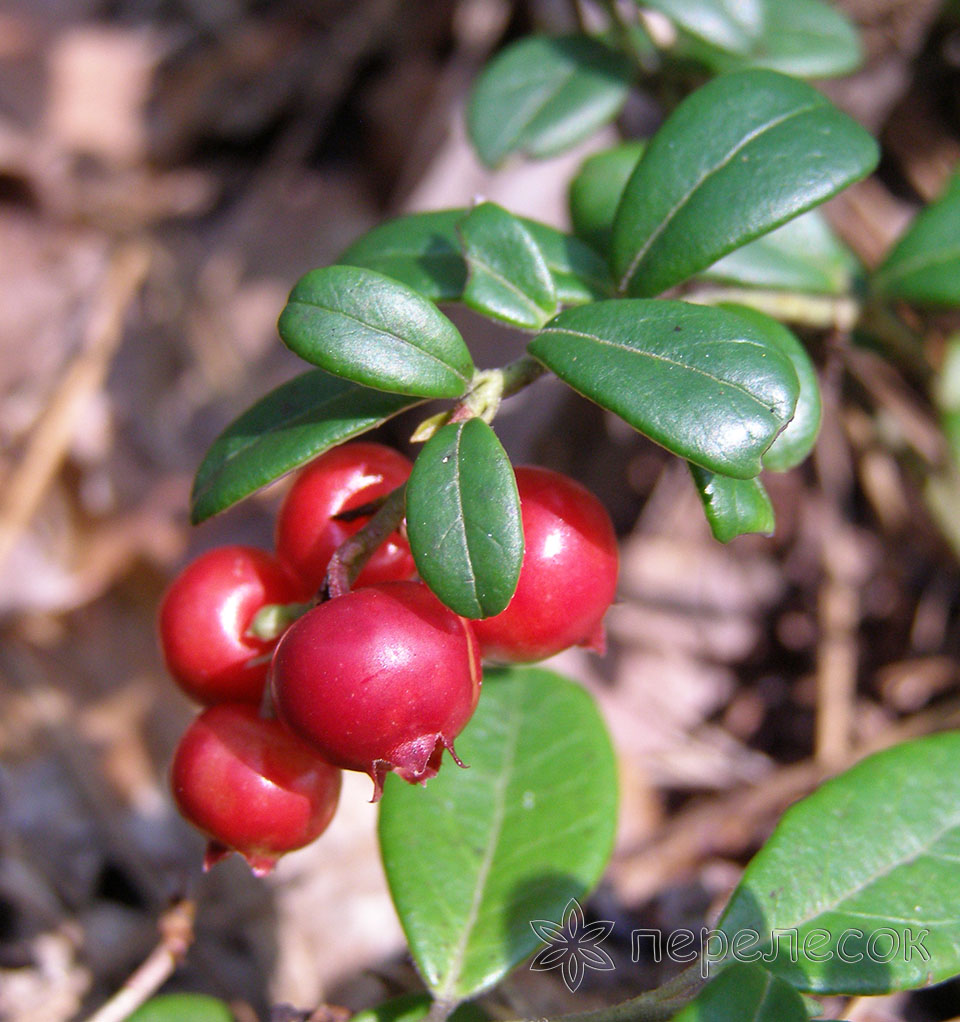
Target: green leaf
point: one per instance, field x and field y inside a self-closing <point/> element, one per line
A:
<point x="421" y="250"/>
<point x="579" y="274"/>
<point x="737" y="158"/>
<point x="797" y="440"/>
<point x="463" y="519"/>
<point x="285" y="429"/>
<point x="540" y="96"/>
<point x="507" y="276"/>
<point x="745" y="992"/>
<point x="183" y="1008"/>
<point x="731" y="25"/>
<point x="705" y="383"/>
<point x="805" y="38"/>
<point x="734" y="507"/>
<point x="802" y="255"/>
<point x="868" y="861"/>
<point x="595" y="192"/>
<point x="373" y="330"/>
<point x="478" y="854"/>
<point x="924" y="265"/>
<point x="415" y="1008"/>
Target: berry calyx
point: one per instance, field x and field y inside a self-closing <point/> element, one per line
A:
<point x="343" y="479"/>
<point x="251" y="786"/>
<point x="568" y="577"/>
<point x="382" y="678"/>
<point x="205" y="619"/>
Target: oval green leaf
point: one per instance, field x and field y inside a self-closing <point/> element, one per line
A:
<point x="478" y="854"/>
<point x="463" y="519"/>
<point x="595" y="192"/>
<point x="375" y="331"/>
<point x="540" y="96"/>
<point x="924" y="265"/>
<point x="285" y="429"/>
<point x="183" y="1008"/>
<point x="745" y="992"/>
<point x="737" y="158"/>
<point x="507" y="276"/>
<point x="804" y="38"/>
<point x="421" y="250"/>
<point x="730" y="25"/>
<point x="702" y="382"/>
<point x="862" y="875"/>
<point x="797" y="439"/>
<point x="733" y="507"/>
<point x="802" y="255"/>
<point x="579" y="274"/>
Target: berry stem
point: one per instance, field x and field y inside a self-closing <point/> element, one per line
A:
<point x="350" y="557"/>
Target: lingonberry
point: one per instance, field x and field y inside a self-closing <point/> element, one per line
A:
<point x="381" y="678"/>
<point x="347" y="477"/>
<point x="251" y="786"/>
<point x="204" y="621"/>
<point x="568" y="576"/>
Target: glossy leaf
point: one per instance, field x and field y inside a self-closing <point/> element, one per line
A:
<point x="421" y="250"/>
<point x="797" y="439"/>
<point x="507" y="276"/>
<point x="476" y="855"/>
<point x="285" y="429"/>
<point x="415" y="1008"/>
<point x="868" y="865"/>
<point x="463" y="519"/>
<point x="703" y="382"/>
<point x="595" y="192"/>
<point x="183" y="1008"/>
<point x="745" y="992"/>
<point x="924" y="265"/>
<point x="734" y="507"/>
<point x="802" y="255"/>
<point x="579" y="274"/>
<point x="731" y="25"/>
<point x="375" y="331"/>
<point x="540" y="96"/>
<point x="737" y="158"/>
<point x="805" y="38"/>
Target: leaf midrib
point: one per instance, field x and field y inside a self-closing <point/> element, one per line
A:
<point x="455" y="966"/>
<point x="384" y="333"/>
<point x="669" y="361"/>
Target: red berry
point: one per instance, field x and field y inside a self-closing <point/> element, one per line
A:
<point x="205" y="616"/>
<point x="344" y="478"/>
<point x="251" y="786"/>
<point x="568" y="577"/>
<point x="382" y="678"/>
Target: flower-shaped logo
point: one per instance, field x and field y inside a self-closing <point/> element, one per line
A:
<point x="572" y="945"/>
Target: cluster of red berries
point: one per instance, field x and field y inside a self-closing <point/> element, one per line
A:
<point x="381" y="678"/>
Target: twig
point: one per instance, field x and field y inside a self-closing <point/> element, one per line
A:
<point x="838" y="613"/>
<point x="726" y="825"/>
<point x="51" y="438"/>
<point x="176" y="936"/>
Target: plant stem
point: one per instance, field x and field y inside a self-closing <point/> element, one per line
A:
<point x="652" y="1006"/>
<point x="482" y="401"/>
<point x="625" y="36"/>
<point x="519" y="374"/>
<point x="349" y="558"/>
<point x="820" y="311"/>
